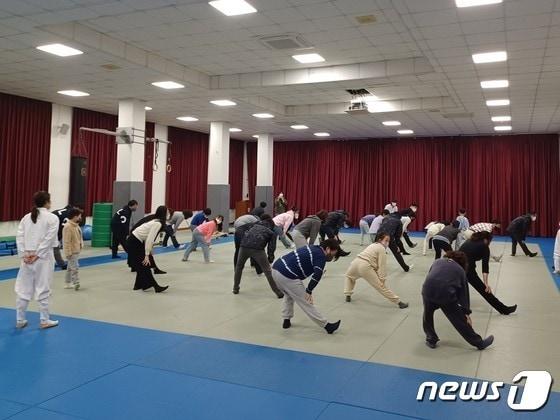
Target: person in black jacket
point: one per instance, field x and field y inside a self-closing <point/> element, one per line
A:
<point x="446" y="288"/>
<point x="393" y="227"/>
<point x="120" y="226"/>
<point x="333" y="223"/>
<point x="259" y="211"/>
<point x="238" y="235"/>
<point x="518" y="229"/>
<point x="255" y="238"/>
<point x="443" y="240"/>
<point x="476" y="249"/>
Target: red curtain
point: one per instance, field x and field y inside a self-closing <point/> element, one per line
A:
<point x="235" y="172"/>
<point x="25" y="138"/>
<point x="252" y="169"/>
<point x="492" y="177"/>
<point x="101" y="153"/>
<point x="148" y="166"/>
<point x="188" y="180"/>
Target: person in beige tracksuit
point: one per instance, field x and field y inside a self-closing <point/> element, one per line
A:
<point x="72" y="244"/>
<point x="371" y="265"/>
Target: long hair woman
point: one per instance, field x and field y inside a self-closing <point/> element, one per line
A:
<point x="477" y="248"/>
<point x="140" y="244"/>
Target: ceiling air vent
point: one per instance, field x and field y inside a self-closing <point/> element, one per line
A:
<point x="457" y="115"/>
<point x="285" y="42"/>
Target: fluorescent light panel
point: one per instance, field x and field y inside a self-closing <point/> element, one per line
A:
<point x="391" y="123"/>
<point x="168" y="85"/>
<point x="493" y="84"/>
<point x="187" y="119"/>
<point x="73" y="93"/>
<point x="405" y="132"/>
<point x="299" y="127"/>
<point x="322" y="134"/>
<point x="223" y="102"/>
<point x="503" y="128"/>
<point x="308" y="58"/>
<point x="148" y="108"/>
<point x="60" y="49"/>
<point x="497" y="102"/>
<point x="235" y="130"/>
<point x="255" y="136"/>
<point x="502" y="118"/>
<point x="263" y="115"/>
<point x="232" y="7"/>
<point x="381" y="106"/>
<point x="471" y="3"/>
<point x="489" y="57"/>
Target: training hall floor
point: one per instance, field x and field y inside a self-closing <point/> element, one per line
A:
<point x="200" y="352"/>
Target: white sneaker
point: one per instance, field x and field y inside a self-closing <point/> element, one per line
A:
<point x="210" y="262"/>
<point x="68" y="286"/>
<point x="184" y="259"/>
<point x="77" y="286"/>
<point x="21" y="324"/>
<point x="49" y="323"/>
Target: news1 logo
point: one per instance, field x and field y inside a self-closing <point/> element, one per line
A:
<point x="534" y="395"/>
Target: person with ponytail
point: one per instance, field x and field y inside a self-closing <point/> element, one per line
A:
<point x="139" y="246"/>
<point x="477" y="248"/>
<point x="36" y="238"/>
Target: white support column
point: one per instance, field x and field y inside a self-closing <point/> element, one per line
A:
<point x="130" y="158"/>
<point x="159" y="180"/>
<point x="59" y="156"/>
<point x="218" y="171"/>
<point x="245" y="189"/>
<point x="264" y="190"/>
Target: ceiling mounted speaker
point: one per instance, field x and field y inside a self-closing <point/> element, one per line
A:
<point x="63" y="129"/>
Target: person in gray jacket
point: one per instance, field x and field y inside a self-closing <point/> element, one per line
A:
<point x="306" y="231"/>
<point x="172" y="226"/>
<point x="255" y="239"/>
<point x="245" y="219"/>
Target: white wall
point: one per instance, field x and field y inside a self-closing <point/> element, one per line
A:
<point x="59" y="161"/>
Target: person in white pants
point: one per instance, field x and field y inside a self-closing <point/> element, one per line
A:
<point x="432" y="229"/>
<point x="557" y="252"/>
<point x="36" y="237"/>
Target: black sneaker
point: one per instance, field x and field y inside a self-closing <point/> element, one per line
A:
<point x="64" y="267"/>
<point x="236" y="292"/>
<point x="280" y="296"/>
<point x="160" y="289"/>
<point x="348" y="298"/>
<point x="431" y="344"/>
<point x="413" y="245"/>
<point x="403" y="305"/>
<point x="286" y="324"/>
<point x="158" y="271"/>
<point x="486" y="342"/>
<point x="533" y="254"/>
<point x="510" y="310"/>
<point x="332" y="327"/>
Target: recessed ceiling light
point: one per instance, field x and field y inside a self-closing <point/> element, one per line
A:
<point x="73" y="93"/>
<point x="497" y="102"/>
<point x="502" y="118"/>
<point x="148" y="108"/>
<point x="187" y="119"/>
<point x="493" y="84"/>
<point x="255" y="136"/>
<point x="405" y="132"/>
<point x="471" y="3"/>
<point x="380" y="106"/>
<point x="299" y="127"/>
<point x="235" y="130"/>
<point x="232" y="7"/>
<point x="308" y="58"/>
<point x="490" y="57"/>
<point x="391" y="123"/>
<point x="321" y="134"/>
<point x="223" y="102"/>
<point x="503" y="128"/>
<point x="168" y="85"/>
<point x="263" y="115"/>
<point x="60" y="49"/>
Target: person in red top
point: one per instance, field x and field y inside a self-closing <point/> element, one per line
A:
<point x="202" y="236"/>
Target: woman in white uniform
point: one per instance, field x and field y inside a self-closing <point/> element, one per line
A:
<point x="36" y="237"/>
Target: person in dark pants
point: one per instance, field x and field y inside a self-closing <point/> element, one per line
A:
<point x="153" y="264"/>
<point x="478" y="249"/>
<point x="393" y="227"/>
<point x="518" y="229"/>
<point x="408" y="216"/>
<point x="255" y="239"/>
<point x="333" y="223"/>
<point x="446" y="288"/>
<point x="139" y="245"/>
<point x="172" y="226"/>
<point x="120" y="226"/>
<point x="259" y="211"/>
<point x="240" y="231"/>
<point x="443" y="240"/>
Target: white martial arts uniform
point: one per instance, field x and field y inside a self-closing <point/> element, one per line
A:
<point x="34" y="280"/>
<point x="432" y="229"/>
<point x="557" y="253"/>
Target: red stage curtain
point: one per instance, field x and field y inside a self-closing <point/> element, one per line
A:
<point x="188" y="180"/>
<point x="25" y="138"/>
<point x="492" y="177"/>
<point x="101" y="153"/>
<point x="235" y="172"/>
<point x="148" y="166"/>
<point x="252" y="169"/>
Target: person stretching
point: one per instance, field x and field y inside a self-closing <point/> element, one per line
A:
<point x="393" y="227"/>
<point x="306" y="231"/>
<point x="365" y="224"/>
<point x="518" y="229"/>
<point x="443" y="240"/>
<point x="432" y="229"/>
<point x="371" y="265"/>
<point x="202" y="236"/>
<point x="289" y="272"/>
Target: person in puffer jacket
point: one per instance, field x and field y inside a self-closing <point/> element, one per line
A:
<point x="255" y="239"/>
